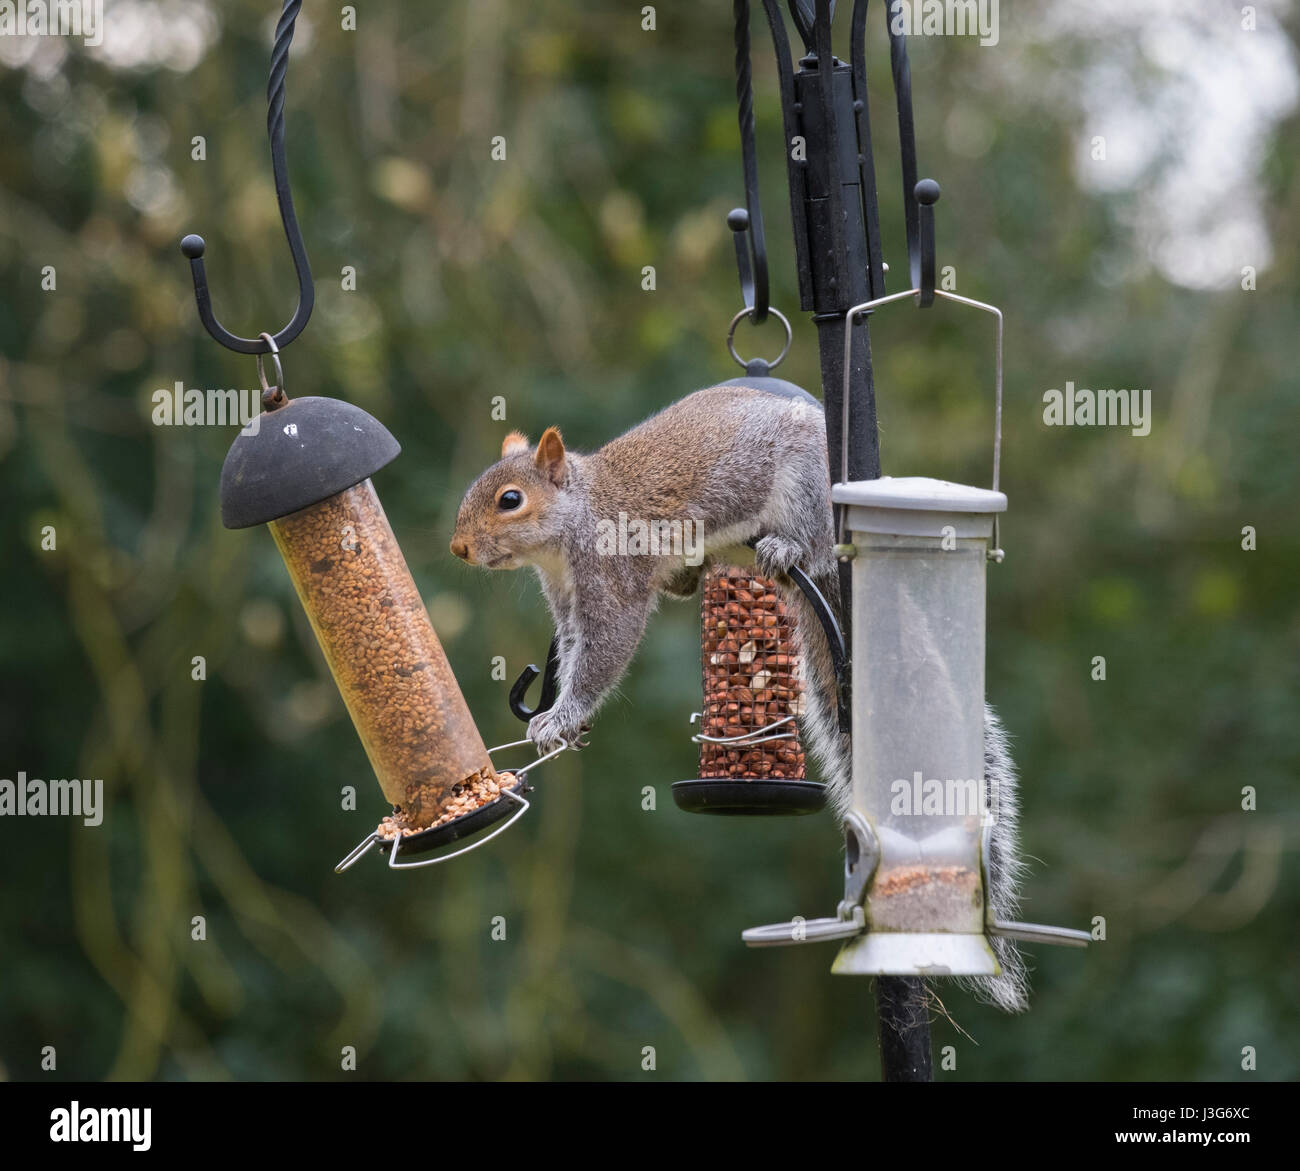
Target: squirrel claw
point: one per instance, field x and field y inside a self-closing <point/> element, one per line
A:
<point x="553" y="730"/>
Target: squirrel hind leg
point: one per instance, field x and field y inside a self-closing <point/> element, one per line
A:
<point x="775" y="555"/>
<point x="685" y="583"/>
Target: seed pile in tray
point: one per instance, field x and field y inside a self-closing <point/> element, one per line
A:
<point x="481" y="789"/>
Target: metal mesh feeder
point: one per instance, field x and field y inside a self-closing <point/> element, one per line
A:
<point x="751" y="759"/>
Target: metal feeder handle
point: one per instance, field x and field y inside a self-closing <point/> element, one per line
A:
<point x="834" y="641"/>
<point x="868" y="306"/>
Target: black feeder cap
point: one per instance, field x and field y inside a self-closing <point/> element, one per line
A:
<point x="744" y="798"/>
<point x="306" y="451"/>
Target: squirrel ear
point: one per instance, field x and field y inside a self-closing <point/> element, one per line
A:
<point x="550" y="455"/>
<point x="514" y="443"/>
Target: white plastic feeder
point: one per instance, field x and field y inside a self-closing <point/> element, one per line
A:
<point x="920" y="548"/>
<point x="921" y="814"/>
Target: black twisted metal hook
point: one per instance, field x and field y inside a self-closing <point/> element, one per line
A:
<point x="193" y="246"/>
<point x="919" y="195"/>
<point x="747" y="224"/>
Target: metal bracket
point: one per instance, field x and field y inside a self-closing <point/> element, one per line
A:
<point x="861" y="856"/>
<point x="834" y="641"/>
<point x="394" y="845"/>
<point x="1025" y="932"/>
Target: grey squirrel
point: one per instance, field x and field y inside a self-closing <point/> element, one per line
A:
<point x="727" y="465"/>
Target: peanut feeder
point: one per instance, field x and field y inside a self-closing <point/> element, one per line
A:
<point x="751" y="757"/>
<point x="304" y="470"/>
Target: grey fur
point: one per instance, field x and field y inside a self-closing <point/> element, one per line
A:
<point x="743" y="464"/>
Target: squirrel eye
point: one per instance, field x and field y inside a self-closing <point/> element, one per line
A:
<point x="509" y="501"/>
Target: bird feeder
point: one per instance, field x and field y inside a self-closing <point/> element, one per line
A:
<point x="919" y="553"/>
<point x="751" y="759"/>
<point x="303" y="469"/>
<point x="921" y="812"/>
<point x="919" y="826"/>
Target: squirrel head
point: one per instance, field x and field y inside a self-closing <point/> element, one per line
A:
<point x="512" y="511"/>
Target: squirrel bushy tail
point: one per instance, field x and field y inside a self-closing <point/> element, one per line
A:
<point x="831" y="749"/>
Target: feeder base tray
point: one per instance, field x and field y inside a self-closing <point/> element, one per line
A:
<point x="460" y="827"/>
<point x="899" y="953"/>
<point x="740" y="798"/>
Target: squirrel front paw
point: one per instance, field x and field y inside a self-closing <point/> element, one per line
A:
<point x="775" y="555"/>
<point x="556" y="728"/>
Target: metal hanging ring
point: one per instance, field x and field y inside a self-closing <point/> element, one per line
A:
<point x="749" y="312"/>
<point x="272" y="396"/>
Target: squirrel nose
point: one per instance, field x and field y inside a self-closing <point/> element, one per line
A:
<point x="460" y="548"/>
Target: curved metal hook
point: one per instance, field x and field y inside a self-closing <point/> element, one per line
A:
<point x="747" y="223"/>
<point x="751" y="244"/>
<point x="193" y="246"/>
<point x="919" y="195"/>
<point x="550" y="686"/>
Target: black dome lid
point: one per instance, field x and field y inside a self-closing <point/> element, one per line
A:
<point x="299" y="455"/>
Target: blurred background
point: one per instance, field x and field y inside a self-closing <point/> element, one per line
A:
<point x="1122" y="179"/>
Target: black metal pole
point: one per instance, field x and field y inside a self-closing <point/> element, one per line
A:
<point x="836" y="228"/>
<point x="903" y="1018"/>
<point x="843" y="268"/>
<point x="863" y="446"/>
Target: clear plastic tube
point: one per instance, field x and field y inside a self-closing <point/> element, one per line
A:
<point x="918" y="734"/>
<point x="382" y="650"/>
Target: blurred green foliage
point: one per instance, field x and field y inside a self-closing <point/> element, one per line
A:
<point x="522" y="279"/>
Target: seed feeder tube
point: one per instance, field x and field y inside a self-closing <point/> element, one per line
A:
<point x="303" y="469"/>
<point x="921" y="813"/>
<point x="751" y="758"/>
<point x="921" y="547"/>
